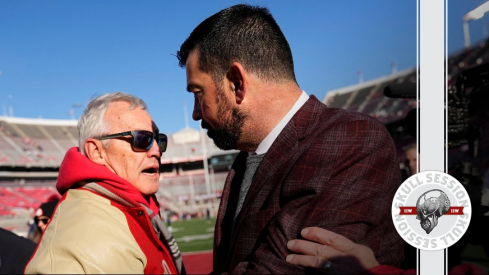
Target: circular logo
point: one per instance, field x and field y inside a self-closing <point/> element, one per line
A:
<point x="431" y="210"/>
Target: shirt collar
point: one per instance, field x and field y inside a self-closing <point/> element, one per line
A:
<point x="270" y="138"/>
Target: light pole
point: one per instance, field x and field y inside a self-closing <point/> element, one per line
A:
<point x="466" y="33"/>
<point x="474" y="14"/>
<point x="206" y="170"/>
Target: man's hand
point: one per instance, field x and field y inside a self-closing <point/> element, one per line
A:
<point x="327" y="251"/>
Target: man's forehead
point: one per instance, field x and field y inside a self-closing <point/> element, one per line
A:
<point x="120" y="106"/>
<point x="192" y="63"/>
<point x="119" y="114"/>
<point x="193" y="57"/>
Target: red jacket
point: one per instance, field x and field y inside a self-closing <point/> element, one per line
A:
<point x="103" y="224"/>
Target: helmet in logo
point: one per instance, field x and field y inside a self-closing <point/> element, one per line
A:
<point x="429" y="210"/>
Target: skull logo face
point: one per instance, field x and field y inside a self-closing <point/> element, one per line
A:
<point x="430" y="206"/>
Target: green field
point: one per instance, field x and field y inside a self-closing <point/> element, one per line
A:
<point x="194" y="235"/>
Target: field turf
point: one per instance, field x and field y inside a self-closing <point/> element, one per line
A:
<point x="194" y="235"/>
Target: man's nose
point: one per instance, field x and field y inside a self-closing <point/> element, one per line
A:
<point x="154" y="150"/>
<point x="197" y="113"/>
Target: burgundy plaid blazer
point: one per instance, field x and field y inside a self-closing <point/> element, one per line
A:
<point x="330" y="168"/>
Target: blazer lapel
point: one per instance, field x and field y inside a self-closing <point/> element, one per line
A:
<point x="273" y="170"/>
<point x="225" y="215"/>
<point x="282" y="154"/>
<point x="275" y="166"/>
<point x="222" y="207"/>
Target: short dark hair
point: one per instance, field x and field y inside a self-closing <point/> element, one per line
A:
<point x="245" y="34"/>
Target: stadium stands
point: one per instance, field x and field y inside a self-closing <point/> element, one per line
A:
<point x="368" y="98"/>
<point x="35" y="142"/>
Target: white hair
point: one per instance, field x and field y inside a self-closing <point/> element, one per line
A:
<point x="92" y="124"/>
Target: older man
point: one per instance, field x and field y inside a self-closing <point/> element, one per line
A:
<point x="302" y="163"/>
<point x="107" y="220"/>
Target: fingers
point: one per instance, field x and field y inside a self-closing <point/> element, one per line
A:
<point x="328" y="238"/>
<point x="314" y="262"/>
<point x="325" y="250"/>
<point x="313" y="249"/>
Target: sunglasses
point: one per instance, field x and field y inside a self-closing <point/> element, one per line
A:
<point x="44" y="220"/>
<point x="141" y="140"/>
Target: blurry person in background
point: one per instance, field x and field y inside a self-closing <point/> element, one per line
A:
<point x="42" y="216"/>
<point x="485" y="193"/>
<point x="411" y="159"/>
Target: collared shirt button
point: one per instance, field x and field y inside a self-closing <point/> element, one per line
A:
<point x="140" y="213"/>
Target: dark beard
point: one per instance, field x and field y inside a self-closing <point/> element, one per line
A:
<point x="227" y="136"/>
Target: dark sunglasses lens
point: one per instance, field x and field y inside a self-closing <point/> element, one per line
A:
<point x="37" y="220"/>
<point x="162" y="142"/>
<point x="143" y="140"/>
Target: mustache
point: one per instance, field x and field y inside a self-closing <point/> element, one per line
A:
<point x="205" y="125"/>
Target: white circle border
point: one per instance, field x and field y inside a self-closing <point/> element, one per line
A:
<point x="426" y="180"/>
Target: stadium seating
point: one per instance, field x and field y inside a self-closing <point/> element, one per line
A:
<point x="368" y="97"/>
<point x="11" y="198"/>
<point x="38" y="194"/>
<point x="35" y="142"/>
<point x="26" y="196"/>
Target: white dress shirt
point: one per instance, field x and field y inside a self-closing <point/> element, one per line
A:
<point x="270" y="138"/>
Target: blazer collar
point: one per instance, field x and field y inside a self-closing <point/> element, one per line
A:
<point x="283" y="152"/>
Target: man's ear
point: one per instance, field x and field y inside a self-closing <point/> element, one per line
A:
<point x="95" y="151"/>
<point x="236" y="77"/>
